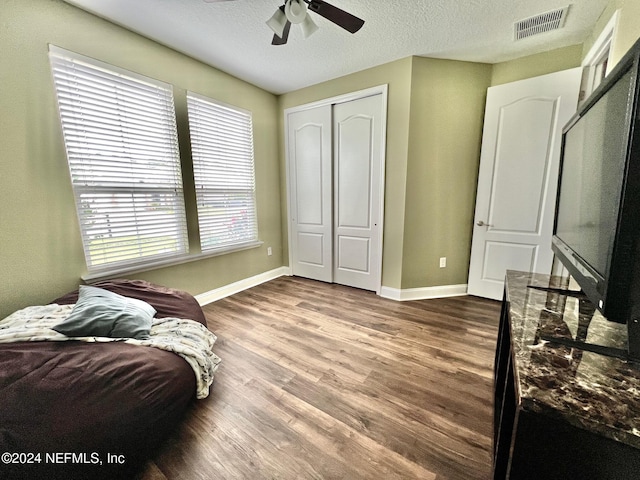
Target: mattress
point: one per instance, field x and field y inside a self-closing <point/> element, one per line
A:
<point x="93" y="410"/>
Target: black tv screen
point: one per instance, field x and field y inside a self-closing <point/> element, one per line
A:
<point x="597" y="224"/>
<point x="593" y="168"/>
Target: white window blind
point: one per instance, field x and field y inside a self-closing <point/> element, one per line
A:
<point x="223" y="167"/>
<point x="122" y="149"/>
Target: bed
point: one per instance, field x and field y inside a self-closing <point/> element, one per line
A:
<point x="93" y="406"/>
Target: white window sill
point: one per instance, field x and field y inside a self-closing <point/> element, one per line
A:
<point x="166" y="262"/>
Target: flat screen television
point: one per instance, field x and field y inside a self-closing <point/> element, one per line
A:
<point x="597" y="223"/>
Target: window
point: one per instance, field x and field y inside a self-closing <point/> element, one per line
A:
<point x="122" y="149"/>
<point x="223" y="167"/>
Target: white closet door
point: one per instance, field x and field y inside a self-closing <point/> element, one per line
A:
<point x="357" y="163"/>
<point x="310" y="193"/>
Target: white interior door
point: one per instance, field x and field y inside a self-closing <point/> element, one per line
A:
<point x="310" y="193"/>
<point x="517" y="181"/>
<point x="357" y="163"/>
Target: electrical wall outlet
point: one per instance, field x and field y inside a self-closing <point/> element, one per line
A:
<point x="443" y="262"/>
<point x="269" y="251"/>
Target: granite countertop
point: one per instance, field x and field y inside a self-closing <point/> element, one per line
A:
<point x="556" y="374"/>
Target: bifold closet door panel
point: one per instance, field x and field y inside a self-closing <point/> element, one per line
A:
<point x="310" y="193"/>
<point x="357" y="172"/>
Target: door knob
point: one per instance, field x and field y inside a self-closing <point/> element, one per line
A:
<point x="482" y="224"/>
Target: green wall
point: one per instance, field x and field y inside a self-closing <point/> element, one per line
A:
<point x="536" y="65"/>
<point x="447" y="109"/>
<point x="42" y="256"/>
<point x="628" y="27"/>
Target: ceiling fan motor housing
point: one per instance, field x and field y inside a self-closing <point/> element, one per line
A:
<point x="296" y="11"/>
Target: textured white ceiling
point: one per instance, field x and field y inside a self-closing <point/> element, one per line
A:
<point x="233" y="36"/>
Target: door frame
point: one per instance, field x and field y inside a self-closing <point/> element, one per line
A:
<point x="347" y="97"/>
<point x="600" y="50"/>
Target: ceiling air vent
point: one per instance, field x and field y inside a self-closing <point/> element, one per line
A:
<point x="544" y="22"/>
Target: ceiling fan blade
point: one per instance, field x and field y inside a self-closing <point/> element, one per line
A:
<point x="285" y="35"/>
<point x="343" y="19"/>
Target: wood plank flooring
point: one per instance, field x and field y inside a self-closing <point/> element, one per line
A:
<point x="322" y="381"/>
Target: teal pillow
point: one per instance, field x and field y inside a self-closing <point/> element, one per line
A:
<point x="101" y="313"/>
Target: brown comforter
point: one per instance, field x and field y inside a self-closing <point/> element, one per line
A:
<point x="92" y="410"/>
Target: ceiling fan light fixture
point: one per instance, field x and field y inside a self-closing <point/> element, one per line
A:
<point x="277" y="22"/>
<point x="308" y="26"/>
<point x="296" y="11"/>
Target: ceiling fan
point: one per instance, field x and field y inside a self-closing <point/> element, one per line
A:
<point x="297" y="12"/>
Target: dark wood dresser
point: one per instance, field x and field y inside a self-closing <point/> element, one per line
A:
<point x="562" y="409"/>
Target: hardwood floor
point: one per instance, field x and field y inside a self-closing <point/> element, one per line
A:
<point x="322" y="381"/>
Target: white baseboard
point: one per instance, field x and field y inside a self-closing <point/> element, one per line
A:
<point x="385" y="292"/>
<point x="239" y="286"/>
<point x="424" y="292"/>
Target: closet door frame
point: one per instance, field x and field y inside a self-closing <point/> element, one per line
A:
<point x="378" y="90"/>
